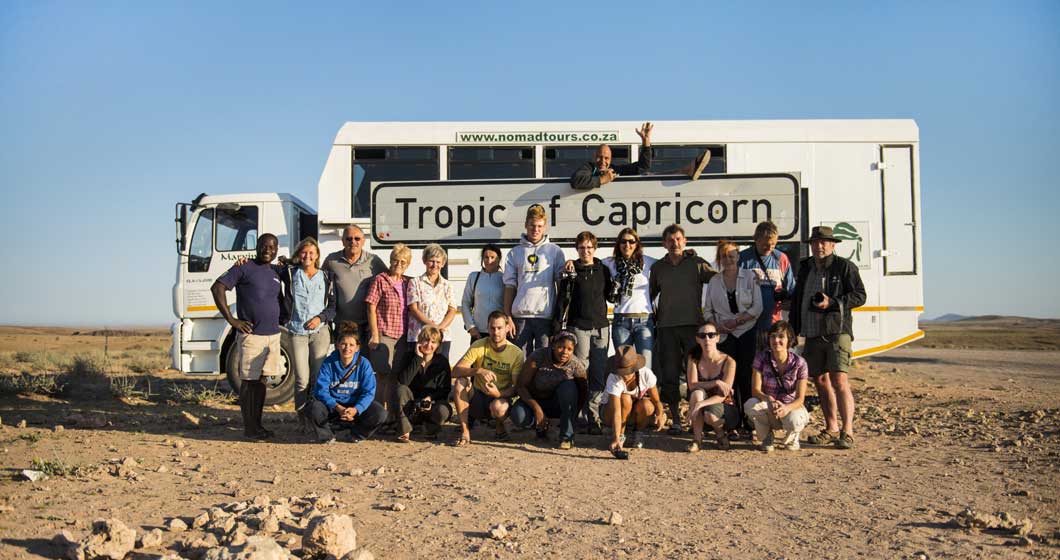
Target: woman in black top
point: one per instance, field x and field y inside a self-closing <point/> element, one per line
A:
<point x="582" y="310"/>
<point x="423" y="384"/>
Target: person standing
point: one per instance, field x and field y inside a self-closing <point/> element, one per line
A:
<point x="388" y="320"/>
<point x="351" y="271"/>
<point x="582" y="309"/>
<point x="733" y="301"/>
<point x="310" y="305"/>
<point x="677" y="280"/>
<point x="630" y="272"/>
<point x="772" y="271"/>
<point x="828" y="287"/>
<point x="531" y="272"/>
<point x="430" y="299"/>
<point x="261" y="310"/>
<point x="483" y="293"/>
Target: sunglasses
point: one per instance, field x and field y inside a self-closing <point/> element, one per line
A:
<point x="627" y="241"/>
<point x="705" y="335"/>
<point x="353" y="238"/>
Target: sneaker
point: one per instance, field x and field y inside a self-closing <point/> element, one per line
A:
<point x="844" y="441"/>
<point x="791" y="441"/>
<point x="566" y="444"/>
<point x="692" y="447"/>
<point x="823" y="437"/>
<point x="675" y="430"/>
<point x="328" y="441"/>
<point x="635" y="441"/>
<point x="767" y="443"/>
<point x="700" y="164"/>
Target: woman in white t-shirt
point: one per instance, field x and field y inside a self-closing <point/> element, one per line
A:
<point x="630" y="390"/>
<point x="630" y="270"/>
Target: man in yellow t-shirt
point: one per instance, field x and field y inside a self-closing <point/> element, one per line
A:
<point x="485" y="378"/>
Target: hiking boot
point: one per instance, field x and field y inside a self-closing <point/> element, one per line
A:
<point x="845" y="441"/>
<point x="767" y="443"/>
<point x="823" y="437"/>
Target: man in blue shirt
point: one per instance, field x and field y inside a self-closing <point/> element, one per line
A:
<point x="259" y="305"/>
<point x="344" y="395"/>
<point x="772" y="269"/>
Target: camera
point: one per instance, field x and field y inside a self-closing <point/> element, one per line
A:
<point x="818" y="298"/>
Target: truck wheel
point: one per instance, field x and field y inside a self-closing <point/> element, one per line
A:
<point x="279" y="389"/>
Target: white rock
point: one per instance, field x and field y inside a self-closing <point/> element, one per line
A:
<point x="177" y="525"/>
<point x="200" y="520"/>
<point x="614" y="519"/>
<point x="498" y="532"/>
<point x="33" y="476"/>
<point x="110" y="539"/>
<point x="330" y="535"/>
<point x="151" y="539"/>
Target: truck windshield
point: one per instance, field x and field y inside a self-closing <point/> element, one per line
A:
<point x="237" y="229"/>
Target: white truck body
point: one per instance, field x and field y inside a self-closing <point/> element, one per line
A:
<point x="859" y="175"/>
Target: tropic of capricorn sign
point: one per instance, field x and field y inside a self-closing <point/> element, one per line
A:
<point x="464" y="213"/>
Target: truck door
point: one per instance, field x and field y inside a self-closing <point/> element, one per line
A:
<point x="899" y="224"/>
<point x="221" y="236"/>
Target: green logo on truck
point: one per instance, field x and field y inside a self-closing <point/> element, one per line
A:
<point x="847" y="232"/>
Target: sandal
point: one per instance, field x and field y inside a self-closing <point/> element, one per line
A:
<point x="404" y="438"/>
<point x="692" y="447"/>
<point x="823" y="437"/>
<point x="844" y="441"/>
<point x="723" y="442"/>
<point x="502" y="435"/>
<point x="464" y="441"/>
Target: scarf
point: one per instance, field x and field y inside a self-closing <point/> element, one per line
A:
<point x="625" y="271"/>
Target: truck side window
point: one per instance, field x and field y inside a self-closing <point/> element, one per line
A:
<point x="237" y="229"/>
<point x="667" y="159"/>
<point x="201" y="243"/>
<point x="393" y="163"/>
<point x="563" y="161"/>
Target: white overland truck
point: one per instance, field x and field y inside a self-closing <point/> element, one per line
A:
<point x="463" y="184"/>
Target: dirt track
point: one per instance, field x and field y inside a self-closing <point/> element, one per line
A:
<point x="947" y="430"/>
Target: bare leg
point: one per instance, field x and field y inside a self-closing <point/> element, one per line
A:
<point x="499" y="411"/>
<point x="642" y="413"/>
<point x="461" y="396"/>
<point x="844" y="398"/>
<point x="828" y="405"/>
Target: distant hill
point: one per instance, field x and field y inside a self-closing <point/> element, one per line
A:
<point x="947" y="317"/>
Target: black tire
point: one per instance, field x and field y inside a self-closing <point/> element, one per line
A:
<point x="279" y="392"/>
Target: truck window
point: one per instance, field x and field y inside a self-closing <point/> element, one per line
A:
<point x="668" y="159"/>
<point x="562" y="161"/>
<point x="484" y="162"/>
<point x="201" y="243"/>
<point x="237" y="229"/>
<point x="411" y="163"/>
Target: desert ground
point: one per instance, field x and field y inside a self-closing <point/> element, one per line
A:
<point x="957" y="456"/>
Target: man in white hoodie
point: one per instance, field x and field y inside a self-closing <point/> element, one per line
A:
<point x="531" y="272"/>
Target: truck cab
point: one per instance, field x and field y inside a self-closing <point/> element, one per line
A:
<point x="212" y="233"/>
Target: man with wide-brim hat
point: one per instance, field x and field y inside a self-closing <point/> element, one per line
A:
<point x="630" y="390"/>
<point x="827" y="288"/>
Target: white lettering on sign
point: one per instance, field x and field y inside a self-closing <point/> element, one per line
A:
<point x="474" y="212"/>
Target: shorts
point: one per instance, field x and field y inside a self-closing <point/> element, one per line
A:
<point x="827" y="354"/>
<point x="259" y="355"/>
<point x="479" y="408"/>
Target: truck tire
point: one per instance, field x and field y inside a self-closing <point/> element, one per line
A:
<point x="279" y="391"/>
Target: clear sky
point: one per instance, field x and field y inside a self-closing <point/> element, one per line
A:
<point x="110" y="112"/>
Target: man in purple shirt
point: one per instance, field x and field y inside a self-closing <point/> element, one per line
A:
<point x="259" y="305"/>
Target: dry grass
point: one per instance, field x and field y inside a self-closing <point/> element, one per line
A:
<point x="28" y="384"/>
<point x="59" y="468"/>
<point x="993" y="333"/>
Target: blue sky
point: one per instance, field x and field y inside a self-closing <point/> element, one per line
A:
<point x="110" y="112"/>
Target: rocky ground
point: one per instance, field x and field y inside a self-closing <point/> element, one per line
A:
<point x="956" y="457"/>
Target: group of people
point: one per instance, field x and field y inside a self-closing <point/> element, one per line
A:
<point x="540" y="336"/>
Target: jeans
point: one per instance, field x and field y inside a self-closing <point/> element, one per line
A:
<point x="408" y="414"/>
<point x="592" y="346"/>
<point x="636" y="331"/>
<point x="363" y="426"/>
<point x="562" y="404"/>
<point x="531" y="334"/>
<point x="307" y="353"/>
